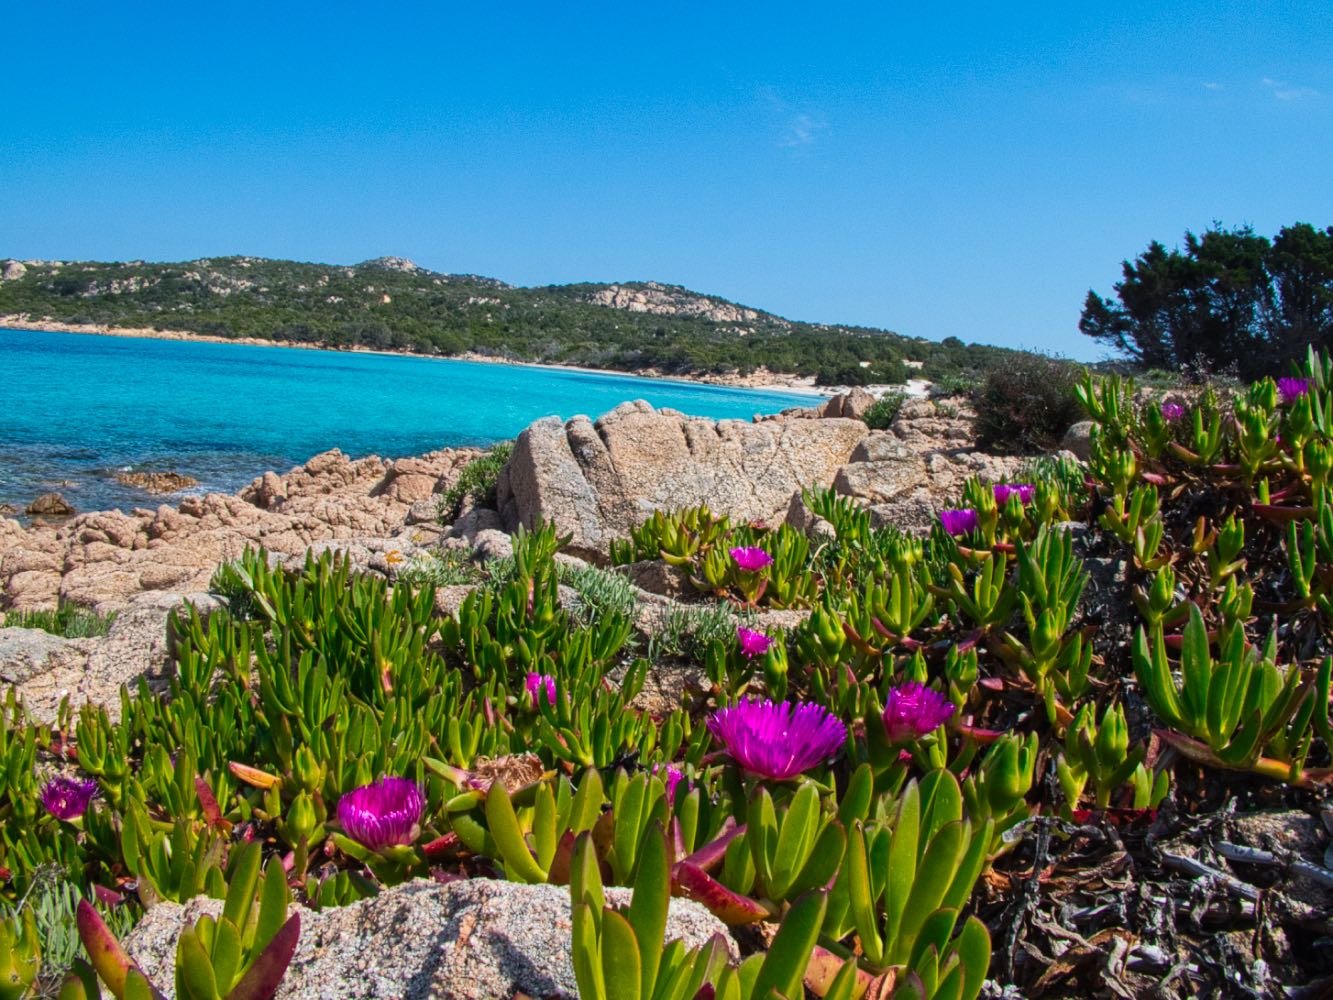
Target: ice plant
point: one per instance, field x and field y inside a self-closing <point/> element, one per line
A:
<point x="1171" y="412"/>
<point x="914" y="710"/>
<point x="959" y="521"/>
<point x="753" y="643"/>
<point x="540" y="682"/>
<point x="1292" y="389"/>
<point x="1003" y="491"/>
<point x="751" y="558"/>
<point x="385" y="813"/>
<point x="777" y="740"/>
<point x="68" y="798"/>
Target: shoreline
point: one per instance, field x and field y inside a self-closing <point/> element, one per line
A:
<point x="761" y="380"/>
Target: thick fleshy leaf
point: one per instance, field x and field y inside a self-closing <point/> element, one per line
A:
<point x="194" y="970"/>
<point x="503" y="823"/>
<point x="622" y="964"/>
<point x="225" y="954"/>
<point x="80" y="983"/>
<point x="974" y="949"/>
<point x="262" y="979"/>
<point x="104" y="952"/>
<point x="730" y="907"/>
<point x="784" y="966"/>
<point x="587" y="962"/>
<point x="648" y="906"/>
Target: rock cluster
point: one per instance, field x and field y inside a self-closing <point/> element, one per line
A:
<point x="664" y="300"/>
<point x="103" y="559"/>
<point x="157" y="482"/>
<point x="597" y="480"/>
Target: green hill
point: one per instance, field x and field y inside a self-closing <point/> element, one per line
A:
<point x="392" y="304"/>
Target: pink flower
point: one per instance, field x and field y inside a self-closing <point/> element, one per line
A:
<point x="672" y="776"/>
<point x="68" y="798"/>
<point x="1292" y="389"/>
<point x="777" y="740"/>
<point x="1003" y="491"/>
<point x="753" y="643"/>
<point x="959" y="521"/>
<point x="1171" y="412"/>
<point x="751" y="558"/>
<point x="914" y="710"/>
<point x="385" y="813"/>
<point x="539" y="682"/>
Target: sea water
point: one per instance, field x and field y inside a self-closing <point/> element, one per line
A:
<point x="75" y="409"/>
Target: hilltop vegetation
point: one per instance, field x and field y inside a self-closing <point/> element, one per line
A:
<point x="391" y="304"/>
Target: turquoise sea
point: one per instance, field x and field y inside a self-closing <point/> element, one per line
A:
<point x="77" y="408"/>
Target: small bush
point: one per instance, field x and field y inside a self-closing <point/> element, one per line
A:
<point x="601" y="593"/>
<point x="68" y="621"/>
<point x="881" y="414"/>
<point x="1028" y="405"/>
<point x="477" y="480"/>
<point x="688" y="630"/>
<point x="448" y="567"/>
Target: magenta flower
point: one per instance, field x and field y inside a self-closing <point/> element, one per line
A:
<point x="960" y="521"/>
<point x="751" y="558"/>
<point x="1171" y="412"/>
<point x="913" y="710"/>
<point x="753" y="643"/>
<point x="1003" y="491"/>
<point x="382" y="814"/>
<point x="777" y="741"/>
<point x="1292" y="389"/>
<point x="68" y="798"/>
<point x="672" y="776"/>
<point x="539" y="682"/>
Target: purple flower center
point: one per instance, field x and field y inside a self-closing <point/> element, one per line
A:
<point x="959" y="521"/>
<point x="1003" y="491"/>
<point x="382" y="814"/>
<point x="913" y="710"/>
<point x="751" y="558"/>
<point x="1171" y="412"/>
<point x="1292" y="389"/>
<point x="777" y="740"/>
<point x="68" y="798"/>
<point x="539" y="682"/>
<point x="753" y="643"/>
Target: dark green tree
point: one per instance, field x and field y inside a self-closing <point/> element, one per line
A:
<point x="1227" y="300"/>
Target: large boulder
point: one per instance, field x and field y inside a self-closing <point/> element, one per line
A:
<point x="595" y="481"/>
<point x="466" y="940"/>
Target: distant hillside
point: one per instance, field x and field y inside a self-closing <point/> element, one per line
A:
<point x="392" y="304"/>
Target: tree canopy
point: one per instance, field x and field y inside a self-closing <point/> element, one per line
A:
<point x="1228" y="300"/>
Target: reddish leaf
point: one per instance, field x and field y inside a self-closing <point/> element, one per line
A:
<point x="728" y="906"/>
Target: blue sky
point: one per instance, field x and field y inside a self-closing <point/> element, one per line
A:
<point x="970" y="172"/>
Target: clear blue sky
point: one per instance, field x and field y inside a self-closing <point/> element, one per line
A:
<point x="969" y="173"/>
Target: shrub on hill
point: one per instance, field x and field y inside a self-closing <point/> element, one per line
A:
<point x="1027" y="405"/>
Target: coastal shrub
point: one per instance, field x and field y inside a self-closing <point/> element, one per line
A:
<point x="601" y="592"/>
<point x="477" y="480"/>
<point x="883" y="410"/>
<point x="68" y="621"/>
<point x="687" y="630"/>
<point x="440" y="568"/>
<point x="1027" y="406"/>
